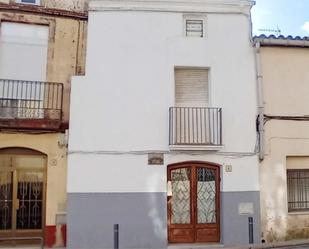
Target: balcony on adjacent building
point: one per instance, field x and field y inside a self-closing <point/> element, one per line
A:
<point x="70" y="5"/>
<point x="30" y="105"/>
<point x="74" y="6"/>
<point x="195" y="128"/>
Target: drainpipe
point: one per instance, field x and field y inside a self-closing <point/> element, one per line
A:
<point x="260" y="100"/>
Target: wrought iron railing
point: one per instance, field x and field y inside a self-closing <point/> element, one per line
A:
<point x="195" y="126"/>
<point x="20" y="99"/>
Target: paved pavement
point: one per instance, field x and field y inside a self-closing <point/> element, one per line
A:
<point x="297" y="244"/>
<point x="28" y="247"/>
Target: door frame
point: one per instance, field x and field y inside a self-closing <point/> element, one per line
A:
<point x="193" y="196"/>
<point x="20" y="151"/>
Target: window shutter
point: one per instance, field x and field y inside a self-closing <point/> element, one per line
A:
<point x="191" y="87"/>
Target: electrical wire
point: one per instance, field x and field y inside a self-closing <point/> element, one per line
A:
<point x="290" y="118"/>
<point x="166" y="152"/>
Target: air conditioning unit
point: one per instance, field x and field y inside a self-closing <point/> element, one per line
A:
<point x="8" y="108"/>
<point x="21" y="109"/>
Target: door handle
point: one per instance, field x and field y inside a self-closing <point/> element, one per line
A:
<point x="17" y="204"/>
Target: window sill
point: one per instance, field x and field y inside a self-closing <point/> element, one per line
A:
<point x="299" y="213"/>
<point x="196" y="147"/>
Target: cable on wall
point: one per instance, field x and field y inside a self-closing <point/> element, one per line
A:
<point x="146" y="152"/>
<point x="290" y="118"/>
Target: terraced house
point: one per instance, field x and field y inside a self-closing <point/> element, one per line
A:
<point x="164" y="142"/>
<point x="42" y="44"/>
<point x="284" y="172"/>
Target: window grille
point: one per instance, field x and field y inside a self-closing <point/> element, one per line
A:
<point x="298" y="189"/>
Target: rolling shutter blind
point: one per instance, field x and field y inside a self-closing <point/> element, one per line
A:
<point x="23" y="50"/>
<point x="191" y="87"/>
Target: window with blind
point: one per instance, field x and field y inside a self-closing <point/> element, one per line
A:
<point x="191" y="87"/>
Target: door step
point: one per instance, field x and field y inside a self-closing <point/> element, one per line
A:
<point x="195" y="246"/>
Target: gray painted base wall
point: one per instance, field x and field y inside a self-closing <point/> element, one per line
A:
<point x="142" y="219"/>
<point x="235" y="227"/>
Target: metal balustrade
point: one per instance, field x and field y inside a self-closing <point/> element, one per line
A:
<point x="30" y="100"/>
<point x="70" y="5"/>
<point x="200" y="126"/>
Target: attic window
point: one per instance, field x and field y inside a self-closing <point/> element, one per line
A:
<point x="194" y="25"/>
<point x="194" y="28"/>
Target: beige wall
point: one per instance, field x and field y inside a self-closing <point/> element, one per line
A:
<point x="286" y="92"/>
<point x="66" y="48"/>
<point x="65" y="58"/>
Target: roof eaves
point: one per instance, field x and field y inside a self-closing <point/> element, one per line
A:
<point x="282" y="41"/>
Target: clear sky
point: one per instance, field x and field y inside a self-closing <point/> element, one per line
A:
<point x="290" y="16"/>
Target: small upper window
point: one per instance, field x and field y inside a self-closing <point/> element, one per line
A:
<point x="36" y="2"/>
<point x="194" y="26"/>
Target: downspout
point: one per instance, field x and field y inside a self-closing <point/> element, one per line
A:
<point x="260" y="100"/>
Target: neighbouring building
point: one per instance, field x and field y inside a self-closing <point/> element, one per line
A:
<point x="284" y="172"/>
<point x="163" y="137"/>
<point x="42" y="44"/>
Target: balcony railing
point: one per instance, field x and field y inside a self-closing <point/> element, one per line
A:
<point x="195" y="126"/>
<point x="70" y="5"/>
<point x="30" y="104"/>
<point x="79" y="6"/>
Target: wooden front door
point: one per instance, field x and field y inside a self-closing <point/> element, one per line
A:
<point x="22" y="194"/>
<point x="194" y="204"/>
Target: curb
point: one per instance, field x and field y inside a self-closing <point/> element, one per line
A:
<point x="290" y="243"/>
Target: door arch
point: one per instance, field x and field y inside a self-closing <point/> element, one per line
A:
<point x="194" y="204"/>
<point x="22" y="192"/>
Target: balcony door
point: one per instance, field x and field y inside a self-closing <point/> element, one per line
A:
<point x="22" y="192"/>
<point x="194" y="204"/>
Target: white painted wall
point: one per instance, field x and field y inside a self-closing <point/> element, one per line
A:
<point x="122" y="103"/>
<point x="23" y="51"/>
<point x="131" y="173"/>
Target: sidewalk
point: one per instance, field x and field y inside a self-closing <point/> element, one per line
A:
<point x="31" y="247"/>
<point x="291" y="243"/>
<point x="285" y="244"/>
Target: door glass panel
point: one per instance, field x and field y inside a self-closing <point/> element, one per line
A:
<point x="206" y="195"/>
<point x="6" y="187"/>
<point x="180" y="205"/>
<point x="29" y="198"/>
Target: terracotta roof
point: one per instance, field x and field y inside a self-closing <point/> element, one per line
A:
<point x="289" y="37"/>
<point x="281" y="40"/>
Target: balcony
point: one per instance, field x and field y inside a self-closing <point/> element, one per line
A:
<point x="70" y="5"/>
<point x="71" y="8"/>
<point x="195" y="128"/>
<point x="30" y="105"/>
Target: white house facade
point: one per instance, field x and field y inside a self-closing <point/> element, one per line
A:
<point x="162" y="126"/>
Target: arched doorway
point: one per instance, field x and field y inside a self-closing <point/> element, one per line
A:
<point x="193" y="202"/>
<point x="22" y="192"/>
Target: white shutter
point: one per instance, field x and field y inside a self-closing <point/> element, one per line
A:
<point x="191" y="87"/>
<point x="23" y="50"/>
